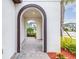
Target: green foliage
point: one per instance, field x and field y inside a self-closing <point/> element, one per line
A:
<point x="69" y="44"/>
<point x="69" y="29"/>
<point x="66" y="29"/>
<point x="30" y="32"/>
<point x="69" y="1"/>
<point x="72" y="48"/>
<point x="60" y="56"/>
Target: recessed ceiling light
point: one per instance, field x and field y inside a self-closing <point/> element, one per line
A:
<point x="33" y="12"/>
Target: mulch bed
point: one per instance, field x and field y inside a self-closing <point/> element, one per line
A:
<point x="66" y="53"/>
<point x="52" y="55"/>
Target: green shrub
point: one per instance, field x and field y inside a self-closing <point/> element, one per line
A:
<point x="60" y="56"/>
<point x="68" y="43"/>
<point x="66" y="29"/>
<point x="72" y="48"/>
<point x="30" y="32"/>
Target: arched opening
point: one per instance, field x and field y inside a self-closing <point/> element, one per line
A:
<point x="34" y="16"/>
<point x="31" y="29"/>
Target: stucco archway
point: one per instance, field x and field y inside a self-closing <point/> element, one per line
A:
<point x="18" y="25"/>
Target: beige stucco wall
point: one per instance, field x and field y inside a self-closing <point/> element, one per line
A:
<point x="8" y="29"/>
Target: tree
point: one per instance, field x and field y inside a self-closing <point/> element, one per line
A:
<point x="68" y="1"/>
<point x="63" y="4"/>
<point x="30" y="30"/>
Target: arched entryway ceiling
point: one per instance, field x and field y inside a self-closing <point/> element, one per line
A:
<point x="32" y="13"/>
<point x="18" y="25"/>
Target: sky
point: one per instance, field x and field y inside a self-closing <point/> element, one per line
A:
<point x="70" y="13"/>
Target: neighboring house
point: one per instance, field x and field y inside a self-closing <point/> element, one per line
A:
<point x="47" y="16"/>
<point x="70" y="27"/>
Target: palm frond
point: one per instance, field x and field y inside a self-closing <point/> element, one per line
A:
<point x="69" y="1"/>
